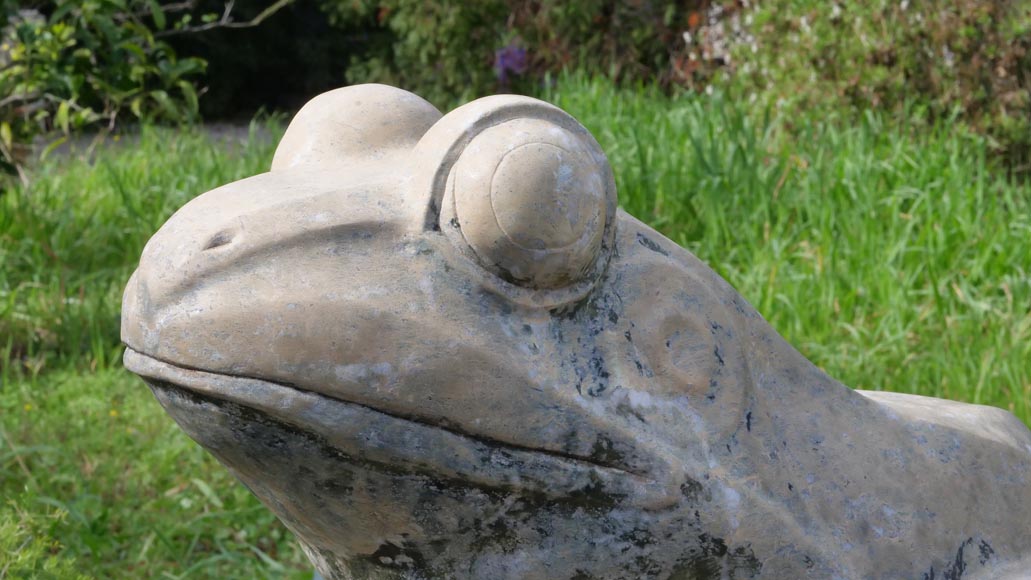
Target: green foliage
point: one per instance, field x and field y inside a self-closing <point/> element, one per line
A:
<point x="454" y="50"/>
<point x="441" y="50"/>
<point x="67" y="64"/>
<point x="99" y="483"/>
<point x="97" y="480"/>
<point x="970" y="59"/>
<point x="625" y="41"/>
<point x="26" y="548"/>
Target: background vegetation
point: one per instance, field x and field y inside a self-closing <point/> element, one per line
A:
<point x="862" y="182"/>
<point x="916" y="60"/>
<point x="67" y="64"/>
<point x="79" y="63"/>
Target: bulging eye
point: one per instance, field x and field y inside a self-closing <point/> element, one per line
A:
<point x="532" y="201"/>
<point x="521" y="189"/>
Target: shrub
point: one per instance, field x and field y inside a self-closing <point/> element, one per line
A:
<point x="440" y="50"/>
<point x="970" y="59"/>
<point x="67" y="64"/>
<point x="451" y="50"/>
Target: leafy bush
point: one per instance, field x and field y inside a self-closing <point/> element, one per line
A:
<point x="970" y="59"/>
<point x="453" y="50"/>
<point x="65" y="64"/>
<point x="441" y="50"/>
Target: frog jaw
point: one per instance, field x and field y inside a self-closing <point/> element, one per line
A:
<point x="354" y="483"/>
<point x="392" y="443"/>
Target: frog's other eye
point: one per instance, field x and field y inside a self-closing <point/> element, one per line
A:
<point x="354" y="124"/>
<point x="525" y="190"/>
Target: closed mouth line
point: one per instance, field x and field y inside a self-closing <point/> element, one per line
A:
<point x="231" y="387"/>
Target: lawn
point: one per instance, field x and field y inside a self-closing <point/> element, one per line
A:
<point x="892" y="256"/>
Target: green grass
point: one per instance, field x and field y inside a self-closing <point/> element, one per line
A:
<point x="90" y="461"/>
<point x="94" y="477"/>
<point x="894" y="258"/>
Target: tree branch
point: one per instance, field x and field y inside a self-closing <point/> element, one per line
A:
<point x="146" y="11"/>
<point x="226" y="21"/>
<point x="18" y="97"/>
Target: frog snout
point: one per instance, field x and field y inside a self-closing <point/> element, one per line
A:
<point x="191" y="251"/>
<point x="175" y="262"/>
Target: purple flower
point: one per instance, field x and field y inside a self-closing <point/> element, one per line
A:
<point x="510" y="59"/>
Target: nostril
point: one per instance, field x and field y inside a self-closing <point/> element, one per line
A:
<point x="220" y="239"/>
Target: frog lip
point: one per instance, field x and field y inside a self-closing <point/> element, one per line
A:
<point x="371" y="436"/>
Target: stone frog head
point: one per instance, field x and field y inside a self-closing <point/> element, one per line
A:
<point x="435" y="348"/>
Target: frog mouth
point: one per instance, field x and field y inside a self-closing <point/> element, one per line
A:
<point x="393" y="443"/>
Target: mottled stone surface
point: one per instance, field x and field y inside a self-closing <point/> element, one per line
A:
<point x="435" y="349"/>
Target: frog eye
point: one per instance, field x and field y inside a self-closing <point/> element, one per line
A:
<point x="526" y="191"/>
<point x="531" y="202"/>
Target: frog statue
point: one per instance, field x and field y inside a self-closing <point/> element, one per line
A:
<point x="435" y="348"/>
